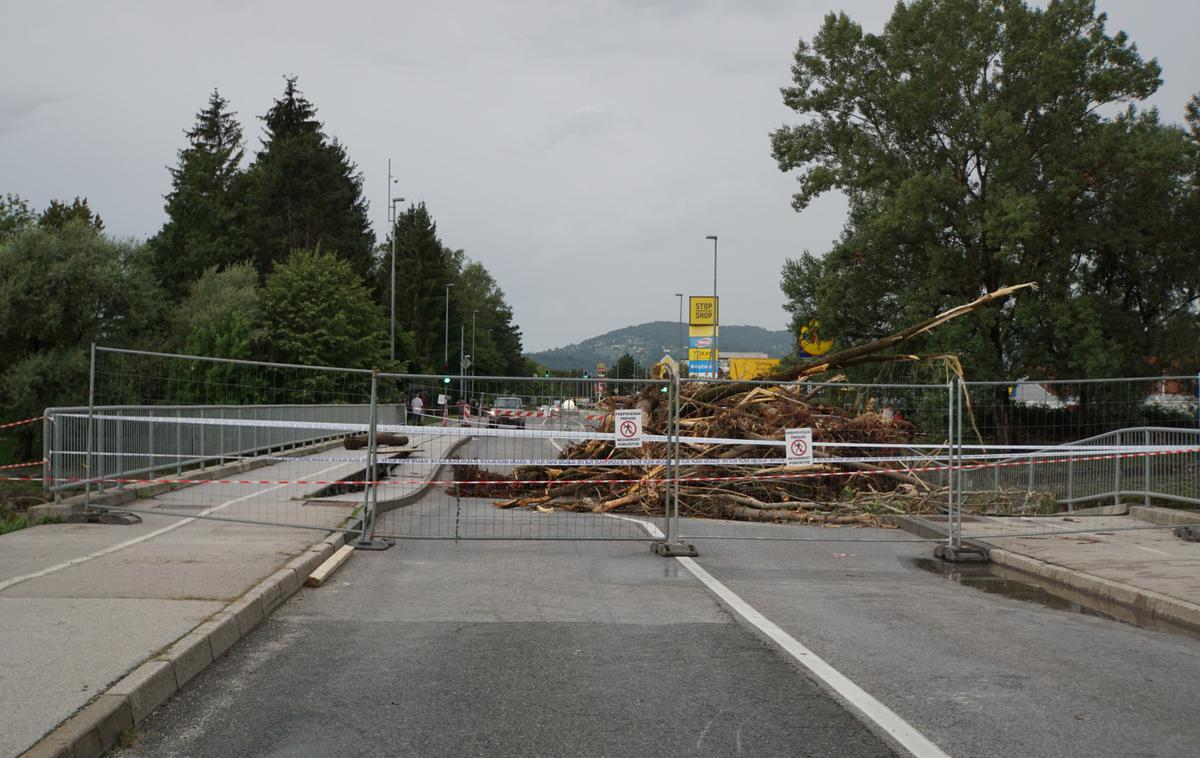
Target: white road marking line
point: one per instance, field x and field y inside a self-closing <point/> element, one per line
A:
<point x="900" y="730"/>
<point x="1152" y="550"/>
<point x="150" y="535"/>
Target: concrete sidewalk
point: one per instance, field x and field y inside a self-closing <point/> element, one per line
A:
<point x="1123" y="561"/>
<point x="104" y="622"/>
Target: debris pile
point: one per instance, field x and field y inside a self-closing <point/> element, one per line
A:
<point x="834" y="492"/>
<point x="735" y="416"/>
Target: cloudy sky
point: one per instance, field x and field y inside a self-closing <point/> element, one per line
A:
<point x="581" y="150"/>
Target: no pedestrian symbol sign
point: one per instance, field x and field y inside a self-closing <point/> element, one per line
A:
<point x="799" y="446"/>
<point x="629" y="428"/>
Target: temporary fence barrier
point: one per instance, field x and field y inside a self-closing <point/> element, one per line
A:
<point x="349" y="449"/>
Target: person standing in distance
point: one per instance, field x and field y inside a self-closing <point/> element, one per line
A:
<point x="418" y="408"/>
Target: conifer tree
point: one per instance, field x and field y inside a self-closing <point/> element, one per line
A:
<point x="303" y="191"/>
<point x="204" y="203"/>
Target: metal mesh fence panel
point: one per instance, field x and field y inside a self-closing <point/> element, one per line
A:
<point x="504" y="458"/>
<point x="197" y="437"/>
<point x="546" y="458"/>
<point x="1031" y="447"/>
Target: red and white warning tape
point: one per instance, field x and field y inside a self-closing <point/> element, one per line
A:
<point x="22" y="422"/>
<point x="28" y="464"/>
<point x="656" y="480"/>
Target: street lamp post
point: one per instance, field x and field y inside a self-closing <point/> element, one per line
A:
<point x="391" y="206"/>
<point x="473" y="312"/>
<point x="446" y="347"/>
<point x="716" y="354"/>
<point x="392" y="330"/>
<point x="682" y="347"/>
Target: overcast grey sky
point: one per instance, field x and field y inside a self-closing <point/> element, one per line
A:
<point x="581" y="150"/>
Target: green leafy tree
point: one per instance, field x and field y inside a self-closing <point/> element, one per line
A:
<point x="15" y="216"/>
<point x="61" y="289"/>
<point x="498" y="348"/>
<point x="318" y="312"/>
<point x="970" y="139"/>
<point x="221" y="316"/>
<point x="58" y="214"/>
<point x="302" y="191"/>
<point x="205" y="226"/>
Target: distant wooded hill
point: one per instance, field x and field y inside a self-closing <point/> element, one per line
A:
<point x="649" y="341"/>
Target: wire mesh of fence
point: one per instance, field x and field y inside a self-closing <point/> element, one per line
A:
<point x="462" y="457"/>
<point x="1037" y="446"/>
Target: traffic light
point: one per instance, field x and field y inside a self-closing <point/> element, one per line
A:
<point x="547" y="374"/>
<point x="445" y="380"/>
<point x="585" y="375"/>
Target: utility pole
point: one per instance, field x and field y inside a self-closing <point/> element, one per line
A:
<point x="473" y="312"/>
<point x="391" y="206"/>
<point x="683" y="349"/>
<point x="446" y="346"/>
<point x="716" y="353"/>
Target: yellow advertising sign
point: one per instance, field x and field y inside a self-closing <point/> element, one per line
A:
<point x="702" y="310"/>
<point x="699" y="354"/>
<point x="752" y="368"/>
<point x="810" y="340"/>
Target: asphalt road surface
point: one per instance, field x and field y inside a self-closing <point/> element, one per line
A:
<point x="505" y="649"/>
<point x="443" y="647"/>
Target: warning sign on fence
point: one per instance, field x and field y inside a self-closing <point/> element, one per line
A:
<point x="799" y="446"/>
<point x="629" y="428"/>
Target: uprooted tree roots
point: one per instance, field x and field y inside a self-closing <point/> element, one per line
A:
<point x="735" y="416"/>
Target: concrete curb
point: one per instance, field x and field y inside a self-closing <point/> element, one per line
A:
<point x="73" y="506"/>
<point x="99" y="725"/>
<point x="391" y="505"/>
<point x="1164" y="516"/>
<point x="1145" y="605"/>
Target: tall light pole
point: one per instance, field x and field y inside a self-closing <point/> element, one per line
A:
<point x="446" y="348"/>
<point x="716" y="354"/>
<point x="392" y="213"/>
<point x="683" y="348"/>
<point x="473" y="312"/>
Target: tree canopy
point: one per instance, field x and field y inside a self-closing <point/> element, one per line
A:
<point x="318" y="312"/>
<point x="62" y="289"/>
<point x="203" y="227"/>
<point x="58" y="214"/>
<point x="983" y="143"/>
<point x="424" y="266"/>
<point x="302" y="191"/>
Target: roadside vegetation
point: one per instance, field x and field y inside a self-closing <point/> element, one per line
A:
<point x="982" y="143"/>
<point x="263" y="258"/>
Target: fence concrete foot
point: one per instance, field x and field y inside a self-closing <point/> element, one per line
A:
<point x="961" y="554"/>
<point x="375" y="544"/>
<point x="103" y="516"/>
<point x="674" y="549"/>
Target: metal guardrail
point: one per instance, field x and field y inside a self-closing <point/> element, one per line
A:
<point x="126" y="447"/>
<point x="1073" y="480"/>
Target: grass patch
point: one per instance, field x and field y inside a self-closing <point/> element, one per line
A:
<point x="13" y="524"/>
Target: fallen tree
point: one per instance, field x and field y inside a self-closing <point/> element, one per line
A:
<point x="737" y="417"/>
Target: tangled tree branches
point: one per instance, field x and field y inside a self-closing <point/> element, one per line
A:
<point x="738" y="418"/>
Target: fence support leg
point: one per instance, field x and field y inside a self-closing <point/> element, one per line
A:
<point x="671" y="546"/>
<point x="87" y="467"/>
<point x="366" y="537"/>
<point x="954" y="550"/>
